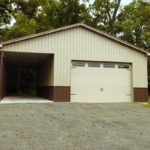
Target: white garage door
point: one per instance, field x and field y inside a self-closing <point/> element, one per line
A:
<point x="100" y="82"/>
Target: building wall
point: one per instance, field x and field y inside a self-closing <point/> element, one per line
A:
<point x="46" y="72"/>
<point x="80" y="44"/>
<point x="45" y="83"/>
<point x="2" y="75"/>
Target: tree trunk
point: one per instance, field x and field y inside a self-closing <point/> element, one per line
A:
<point x="112" y="21"/>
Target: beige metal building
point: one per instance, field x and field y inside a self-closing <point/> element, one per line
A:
<point x="78" y="63"/>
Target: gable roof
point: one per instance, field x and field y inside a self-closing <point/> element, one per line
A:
<point x="74" y="26"/>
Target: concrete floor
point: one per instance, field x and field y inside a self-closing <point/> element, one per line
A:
<point x="73" y="126"/>
<point x="24" y="99"/>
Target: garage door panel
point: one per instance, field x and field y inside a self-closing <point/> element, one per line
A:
<point x="100" y="84"/>
<point x="96" y="94"/>
<point x="99" y="77"/>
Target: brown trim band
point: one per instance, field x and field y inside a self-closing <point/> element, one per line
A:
<point x="62" y="93"/>
<point x="2" y="75"/>
<point x="141" y="94"/>
<point x="54" y="93"/>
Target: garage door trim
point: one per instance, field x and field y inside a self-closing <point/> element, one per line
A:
<point x="102" y="66"/>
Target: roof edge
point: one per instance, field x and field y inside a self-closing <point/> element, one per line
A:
<point x="73" y="26"/>
<point x="116" y="39"/>
<point x="41" y="33"/>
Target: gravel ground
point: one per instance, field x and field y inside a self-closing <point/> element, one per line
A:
<point x="73" y="126"/>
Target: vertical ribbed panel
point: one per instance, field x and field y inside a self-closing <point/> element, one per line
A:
<point x="81" y="44"/>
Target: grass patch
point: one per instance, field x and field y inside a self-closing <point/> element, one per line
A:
<point x="148" y="104"/>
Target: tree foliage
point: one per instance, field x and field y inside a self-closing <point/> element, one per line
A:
<point x="146" y="23"/>
<point x="65" y="12"/>
<point x="134" y="23"/>
<point x="22" y="27"/>
<point x="5" y="12"/>
<point x="28" y="7"/>
<point x="105" y="14"/>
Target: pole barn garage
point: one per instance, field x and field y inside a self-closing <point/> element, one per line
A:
<point x="78" y="63"/>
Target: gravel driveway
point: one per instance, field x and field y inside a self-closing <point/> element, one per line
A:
<point x="72" y="126"/>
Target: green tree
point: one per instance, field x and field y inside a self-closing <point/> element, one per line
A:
<point x="50" y="12"/>
<point x="146" y="22"/>
<point x="5" y="12"/>
<point x="43" y="23"/>
<point x="71" y="11"/>
<point x="22" y="27"/>
<point x="65" y="12"/>
<point x="28" y="7"/>
<point x="105" y="14"/>
<point x="41" y="15"/>
<point x="5" y="15"/>
<point x="132" y="27"/>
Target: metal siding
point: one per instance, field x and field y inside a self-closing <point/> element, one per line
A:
<point x="46" y="72"/>
<point x="81" y="44"/>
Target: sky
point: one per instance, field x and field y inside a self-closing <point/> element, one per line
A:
<point x="123" y="2"/>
